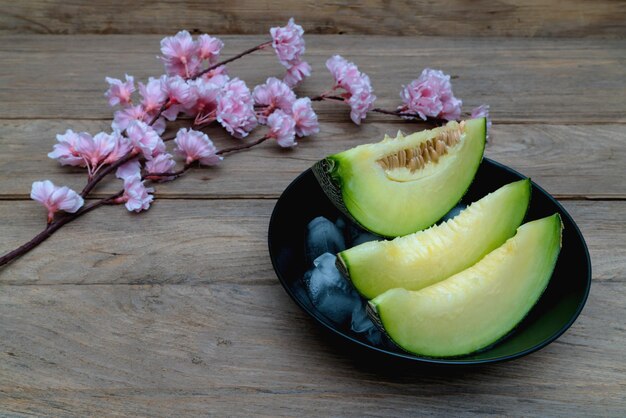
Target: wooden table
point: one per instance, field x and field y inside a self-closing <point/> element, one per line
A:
<point x="177" y="311"/>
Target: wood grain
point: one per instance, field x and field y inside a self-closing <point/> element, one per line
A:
<point x="209" y="242"/>
<point x="585" y="161"/>
<point x="602" y="18"/>
<point x="524" y="80"/>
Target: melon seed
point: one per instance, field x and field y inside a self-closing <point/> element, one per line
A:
<point x="428" y="151"/>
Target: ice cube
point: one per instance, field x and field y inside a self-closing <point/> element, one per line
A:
<point x="376" y="338"/>
<point x="363" y="325"/>
<point x="356" y="235"/>
<point x="365" y="237"/>
<point x="331" y="294"/>
<point x="360" y="321"/>
<point x="340" y="223"/>
<point x="323" y="236"/>
<point x="336" y="299"/>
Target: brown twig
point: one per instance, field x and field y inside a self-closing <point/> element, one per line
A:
<point x="231" y="59"/>
<point x="165" y="176"/>
<point x="399" y="113"/>
<point x="53" y="227"/>
<point x="105" y="172"/>
<point x="158" y="114"/>
<point x="242" y="146"/>
<point x="325" y="97"/>
<point x="404" y="114"/>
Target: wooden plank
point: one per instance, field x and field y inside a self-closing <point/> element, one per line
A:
<point x="175" y="242"/>
<point x="570" y="161"/>
<point x="365" y="17"/>
<point x="246" y="349"/>
<point x="524" y="80"/>
<point x="208" y="242"/>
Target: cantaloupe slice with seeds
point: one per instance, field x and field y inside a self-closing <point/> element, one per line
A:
<point x="404" y="184"/>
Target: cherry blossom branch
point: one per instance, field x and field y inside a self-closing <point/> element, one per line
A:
<point x="169" y="175"/>
<point x="399" y="113"/>
<point x="325" y="96"/>
<point x="428" y="98"/>
<point x="436" y="121"/>
<point x="105" y="172"/>
<point x="158" y="114"/>
<point x="93" y="182"/>
<point x="403" y="114"/>
<point x="135" y="145"/>
<point x="231" y="59"/>
<point x="54" y="226"/>
<point x="243" y="146"/>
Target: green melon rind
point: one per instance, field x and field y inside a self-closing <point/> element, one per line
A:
<point x="378" y="314"/>
<point x="329" y="172"/>
<point x="325" y="172"/>
<point x="522" y="193"/>
<point x="348" y="201"/>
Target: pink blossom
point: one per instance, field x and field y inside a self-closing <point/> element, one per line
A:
<point x="136" y="196"/>
<point x="217" y="75"/>
<point x="144" y="139"/>
<point x="119" y="91"/>
<point x="176" y="89"/>
<point x="304" y="117"/>
<point x="430" y="95"/>
<point x="282" y="128"/>
<point x="159" y="125"/>
<point x="159" y="149"/>
<point x="65" y="149"/>
<point x="122" y="147"/>
<point x="95" y="149"/>
<point x="180" y="54"/>
<point x="124" y="117"/>
<point x="235" y="108"/>
<point x="481" y="111"/>
<point x="288" y="43"/>
<point x="359" y="89"/>
<point x="152" y="94"/>
<point x="238" y="89"/>
<point x="56" y="198"/>
<point x="451" y="108"/>
<point x="296" y="73"/>
<point x="203" y="102"/>
<point x="162" y="163"/>
<point x="179" y="96"/>
<point x="196" y="146"/>
<point x="274" y="94"/>
<point x="361" y="101"/>
<point x="345" y="73"/>
<point x="420" y="99"/>
<point x="130" y="169"/>
<point x="209" y="48"/>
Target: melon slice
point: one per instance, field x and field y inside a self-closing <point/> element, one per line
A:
<point x="478" y="306"/>
<point x="407" y="183"/>
<point x="426" y="257"/>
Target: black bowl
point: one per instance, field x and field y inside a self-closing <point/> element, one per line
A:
<point x="553" y="314"/>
